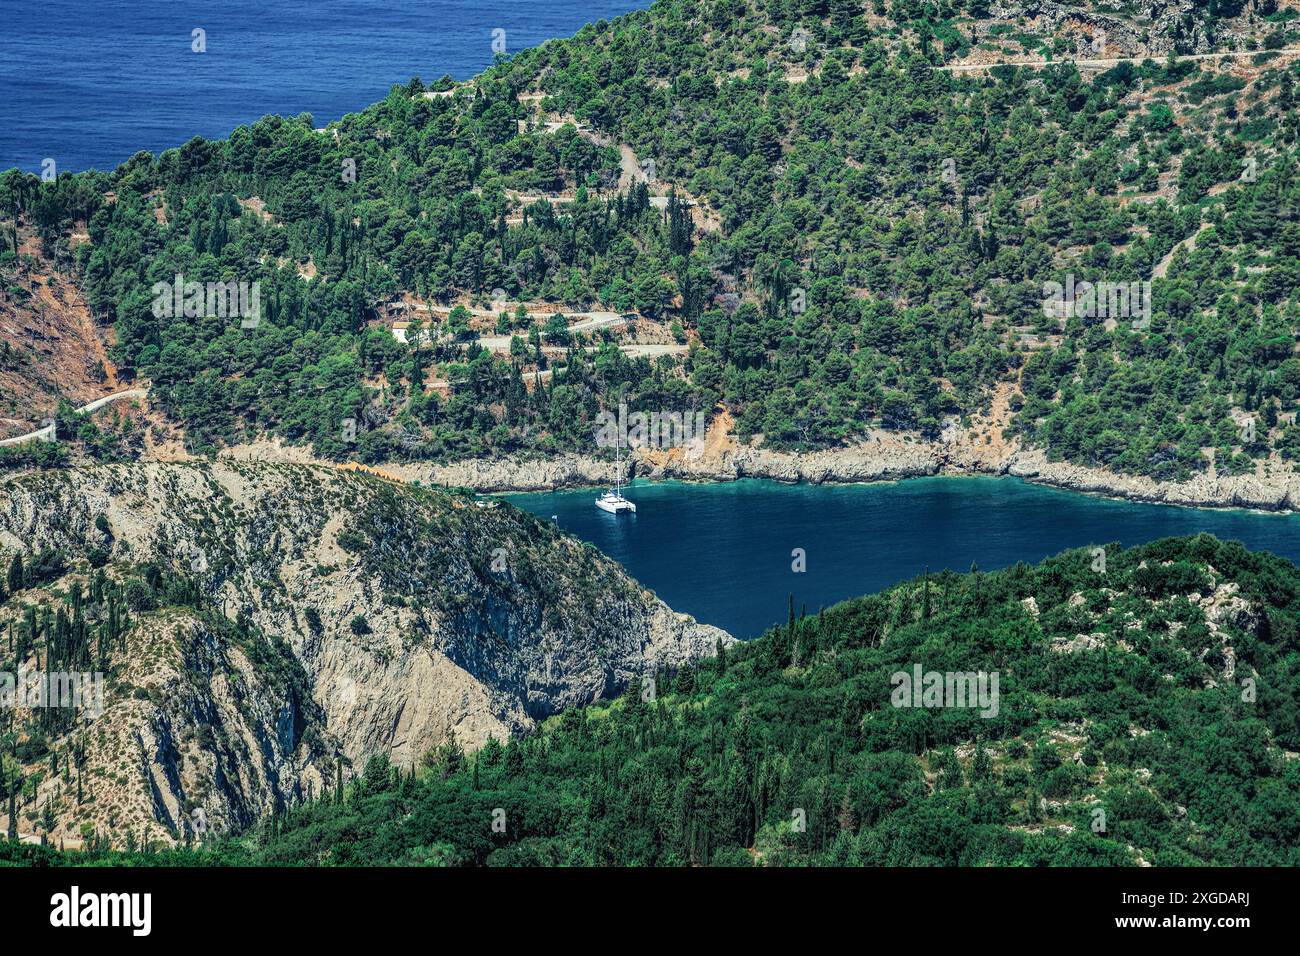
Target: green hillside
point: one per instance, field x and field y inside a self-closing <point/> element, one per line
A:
<point x="847" y="237"/>
<point x="1146" y="713"/>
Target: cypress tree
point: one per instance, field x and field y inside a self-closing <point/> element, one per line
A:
<point x="17" y="574"/>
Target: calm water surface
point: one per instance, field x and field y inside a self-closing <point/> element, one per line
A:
<point x="722" y="552"/>
<point x="90" y="82"/>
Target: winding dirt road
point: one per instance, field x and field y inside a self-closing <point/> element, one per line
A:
<point x="47" y="433"/>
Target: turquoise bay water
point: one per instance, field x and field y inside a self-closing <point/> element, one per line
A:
<point x="722" y="552"/>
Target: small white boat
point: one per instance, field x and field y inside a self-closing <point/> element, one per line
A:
<point x="614" y="502"/>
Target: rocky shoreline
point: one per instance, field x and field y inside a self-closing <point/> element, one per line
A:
<point x="880" y="459"/>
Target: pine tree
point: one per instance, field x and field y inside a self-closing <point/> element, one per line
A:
<point x="925" y="597"/>
<point x="17" y="574"/>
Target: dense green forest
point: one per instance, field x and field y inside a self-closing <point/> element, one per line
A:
<point x="886" y="230"/>
<point x="1169" y="736"/>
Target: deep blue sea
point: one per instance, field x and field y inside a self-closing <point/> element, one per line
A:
<point x="722" y="552"/>
<point x="90" y="82"/>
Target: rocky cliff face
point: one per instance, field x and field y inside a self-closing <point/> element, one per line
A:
<point x="410" y="614"/>
<point x="883" y="457"/>
<point x="195" y="739"/>
<point x="1161" y="28"/>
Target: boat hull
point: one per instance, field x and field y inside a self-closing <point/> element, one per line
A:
<point x="616" y="507"/>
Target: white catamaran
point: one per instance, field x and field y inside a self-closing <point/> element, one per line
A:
<point x="613" y="500"/>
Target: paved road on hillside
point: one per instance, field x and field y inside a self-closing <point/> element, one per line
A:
<point x="47" y="433"/>
<point x="1106" y="62"/>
